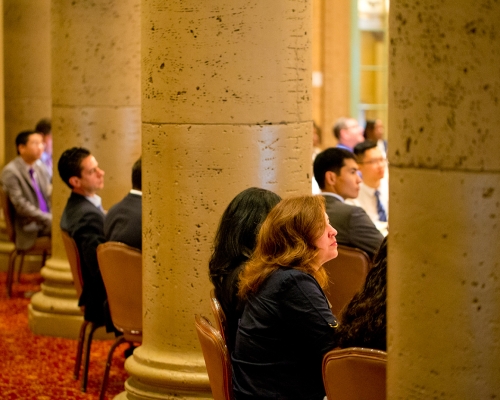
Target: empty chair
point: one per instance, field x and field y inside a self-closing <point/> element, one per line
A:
<point x="355" y="374"/>
<point x="121" y="271"/>
<point x="219" y="316"/>
<point x="216" y="359"/>
<point x="346" y="276"/>
<point x="88" y="328"/>
<point x="42" y="246"/>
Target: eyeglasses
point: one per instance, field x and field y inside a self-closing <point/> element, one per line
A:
<point x="381" y="161"/>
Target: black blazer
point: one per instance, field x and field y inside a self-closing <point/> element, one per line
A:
<point x="123" y="222"/>
<point x="84" y="223"/>
<point x="354" y="226"/>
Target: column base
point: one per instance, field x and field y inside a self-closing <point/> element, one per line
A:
<point x="175" y="377"/>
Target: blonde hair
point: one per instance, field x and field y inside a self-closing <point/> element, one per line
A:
<point x="286" y="239"/>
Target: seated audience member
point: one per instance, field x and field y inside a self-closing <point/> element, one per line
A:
<point x="287" y="325"/>
<point x="28" y="186"/>
<point x="123" y="222"/>
<point x="233" y="245"/>
<point x="44" y="127"/>
<point x="83" y="219"/>
<point x="374" y="131"/>
<point x="348" y="133"/>
<point x="336" y="171"/>
<point x="373" y="191"/>
<point x="364" y="318"/>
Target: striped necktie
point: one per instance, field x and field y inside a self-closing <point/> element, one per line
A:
<point x="382" y="216"/>
<point x="42" y="204"/>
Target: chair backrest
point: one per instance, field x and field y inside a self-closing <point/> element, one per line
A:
<point x="121" y="271"/>
<point x="216" y="358"/>
<point x="74" y="261"/>
<point x="347" y="274"/>
<point x="355" y="374"/>
<point x="219" y="316"/>
<point x="8" y="215"/>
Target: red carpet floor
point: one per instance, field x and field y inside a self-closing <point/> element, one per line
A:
<point x="40" y="367"/>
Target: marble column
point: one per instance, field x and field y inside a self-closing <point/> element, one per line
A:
<point x="26" y="67"/>
<point x="96" y="104"/>
<point x="225" y="106"/>
<point x="444" y="275"/>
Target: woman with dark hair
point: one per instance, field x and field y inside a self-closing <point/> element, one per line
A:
<point x="374" y="131"/>
<point x="287" y="325"/>
<point x="233" y="245"/>
<point x="364" y="318"/>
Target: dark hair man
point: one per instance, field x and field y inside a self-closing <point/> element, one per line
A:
<point x="28" y="186"/>
<point x="123" y="222"/>
<point x="373" y="191"/>
<point x="336" y="172"/>
<point x="83" y="219"/>
<point x="44" y="127"/>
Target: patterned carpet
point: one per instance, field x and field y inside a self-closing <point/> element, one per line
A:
<point x="39" y="367"/>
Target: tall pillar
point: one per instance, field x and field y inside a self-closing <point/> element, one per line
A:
<point x="2" y="91"/>
<point x="96" y="104"/>
<point x="336" y="39"/>
<point x="26" y="58"/>
<point x="225" y="106"/>
<point x="444" y="275"/>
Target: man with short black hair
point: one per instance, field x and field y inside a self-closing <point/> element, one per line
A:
<point x="28" y="186"/>
<point x="373" y="191"/>
<point x="44" y="126"/>
<point x="336" y="172"/>
<point x="83" y="219"/>
<point x="123" y="222"/>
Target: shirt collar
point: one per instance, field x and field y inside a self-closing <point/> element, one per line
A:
<point x="333" y="195"/>
<point x="95" y="200"/>
<point x="137" y="192"/>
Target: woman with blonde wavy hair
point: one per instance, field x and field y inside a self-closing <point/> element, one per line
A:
<point x="287" y="325"/>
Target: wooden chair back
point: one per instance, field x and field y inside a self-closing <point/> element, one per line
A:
<point x="346" y="274"/>
<point x="121" y="271"/>
<point x="8" y="214"/>
<point x="216" y="358"/>
<point x="355" y="374"/>
<point x="74" y="261"/>
<point x="219" y="316"/>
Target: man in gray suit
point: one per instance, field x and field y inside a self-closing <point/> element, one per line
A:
<point x="28" y="186"/>
<point x="336" y="172"/>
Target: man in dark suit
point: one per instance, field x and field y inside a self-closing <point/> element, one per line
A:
<point x="83" y="219"/>
<point x="28" y="186"/>
<point x="336" y="172"/>
<point x="123" y="222"/>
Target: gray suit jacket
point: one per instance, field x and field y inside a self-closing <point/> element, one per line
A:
<point x="29" y="220"/>
<point x="354" y="227"/>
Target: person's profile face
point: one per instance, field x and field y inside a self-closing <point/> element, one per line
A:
<point x="92" y="177"/>
<point x="326" y="244"/>
<point x="347" y="183"/>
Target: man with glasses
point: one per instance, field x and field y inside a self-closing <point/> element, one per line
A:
<point x="336" y="172"/>
<point x="348" y="133"/>
<point x="373" y="191"/>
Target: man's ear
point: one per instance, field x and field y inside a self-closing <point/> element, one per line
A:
<point x="330" y="178"/>
<point x="74" y="181"/>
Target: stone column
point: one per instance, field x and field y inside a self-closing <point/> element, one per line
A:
<point x="96" y="104"/>
<point x="2" y="92"/>
<point x="27" y="67"/>
<point x="226" y="105"/>
<point x="444" y="275"/>
<point x="336" y="40"/>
